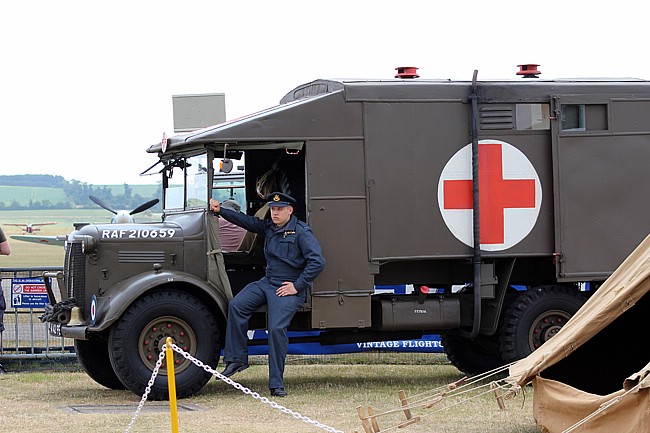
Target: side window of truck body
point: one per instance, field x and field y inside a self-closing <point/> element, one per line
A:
<point x="584" y="117"/>
<point x="532" y="117"/>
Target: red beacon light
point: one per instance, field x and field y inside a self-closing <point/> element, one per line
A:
<point x="407" y="72"/>
<point x="529" y="71"/>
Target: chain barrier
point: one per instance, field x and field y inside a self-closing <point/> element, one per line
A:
<point x="253" y="394"/>
<point x="230" y="382"/>
<point x="147" y="390"/>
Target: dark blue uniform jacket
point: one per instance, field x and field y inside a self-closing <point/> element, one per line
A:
<point x="292" y="252"/>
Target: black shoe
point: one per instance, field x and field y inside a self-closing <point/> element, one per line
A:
<point x="234" y="367"/>
<point x="278" y="392"/>
<point x="2" y="369"/>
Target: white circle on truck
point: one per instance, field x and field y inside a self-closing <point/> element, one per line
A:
<point x="510" y="195"/>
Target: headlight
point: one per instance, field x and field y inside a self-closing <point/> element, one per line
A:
<point x="88" y="243"/>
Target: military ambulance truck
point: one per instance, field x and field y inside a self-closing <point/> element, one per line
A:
<point x="499" y="201"/>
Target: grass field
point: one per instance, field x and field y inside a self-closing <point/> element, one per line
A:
<point x="328" y="392"/>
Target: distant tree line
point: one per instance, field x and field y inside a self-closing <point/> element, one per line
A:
<point x="35" y="204"/>
<point x="76" y="193"/>
<point x="37" y="180"/>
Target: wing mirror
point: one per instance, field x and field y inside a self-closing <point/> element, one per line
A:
<point x="225" y="165"/>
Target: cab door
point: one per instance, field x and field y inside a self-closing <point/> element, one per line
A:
<point x="341" y="294"/>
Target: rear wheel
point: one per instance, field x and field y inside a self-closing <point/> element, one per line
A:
<point x="481" y="354"/>
<point x="472" y="356"/>
<point x="139" y="336"/>
<point x="535" y="317"/>
<point x="93" y="357"/>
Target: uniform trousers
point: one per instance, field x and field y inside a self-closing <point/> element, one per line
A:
<point x="281" y="310"/>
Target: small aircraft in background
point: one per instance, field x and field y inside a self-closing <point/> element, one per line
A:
<point x="120" y="217"/>
<point x="44" y="240"/>
<point x="29" y="227"/>
<point x="34" y="227"/>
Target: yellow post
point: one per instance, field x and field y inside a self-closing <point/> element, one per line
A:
<point x="171" y="384"/>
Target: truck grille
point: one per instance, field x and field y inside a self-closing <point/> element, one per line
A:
<point x="74" y="274"/>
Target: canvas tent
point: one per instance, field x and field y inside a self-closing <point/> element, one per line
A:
<point x="586" y="364"/>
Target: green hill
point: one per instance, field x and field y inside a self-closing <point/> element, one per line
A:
<point x="24" y="195"/>
<point x="141" y="190"/>
<point x="37" y="197"/>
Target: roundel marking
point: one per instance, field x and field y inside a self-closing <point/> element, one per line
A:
<point x="93" y="310"/>
<point x="510" y="195"/>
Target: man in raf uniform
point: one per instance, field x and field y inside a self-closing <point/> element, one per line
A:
<point x="293" y="261"/>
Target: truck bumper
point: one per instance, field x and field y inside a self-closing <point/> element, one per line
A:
<point x="74" y="332"/>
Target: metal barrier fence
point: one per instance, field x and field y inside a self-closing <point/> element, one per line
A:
<point x="25" y="337"/>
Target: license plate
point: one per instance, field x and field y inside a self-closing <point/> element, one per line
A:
<point x="55" y="329"/>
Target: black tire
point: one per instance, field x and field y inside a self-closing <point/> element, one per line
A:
<point x="96" y="362"/>
<point x="137" y="339"/>
<point x="472" y="356"/>
<point x="534" y="317"/>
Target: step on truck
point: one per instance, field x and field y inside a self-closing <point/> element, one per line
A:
<point x="504" y="203"/>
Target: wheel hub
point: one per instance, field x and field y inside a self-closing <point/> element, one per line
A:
<point x="154" y="336"/>
<point x="546" y="326"/>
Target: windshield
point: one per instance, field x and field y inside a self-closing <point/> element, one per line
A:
<point x="194" y="171"/>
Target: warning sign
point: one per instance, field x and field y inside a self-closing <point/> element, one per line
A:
<point x="28" y="293"/>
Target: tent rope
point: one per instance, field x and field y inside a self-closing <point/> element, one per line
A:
<point x="428" y="399"/>
<point x="455" y="387"/>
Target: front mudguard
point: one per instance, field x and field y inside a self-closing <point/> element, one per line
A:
<point x="111" y="304"/>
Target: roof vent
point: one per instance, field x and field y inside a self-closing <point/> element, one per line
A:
<point x="529" y="71"/>
<point x="404" y="72"/>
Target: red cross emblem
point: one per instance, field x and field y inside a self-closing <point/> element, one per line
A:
<point x="509" y="195"/>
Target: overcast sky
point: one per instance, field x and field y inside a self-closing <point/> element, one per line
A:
<point x="86" y="86"/>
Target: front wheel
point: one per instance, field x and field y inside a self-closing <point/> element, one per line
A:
<point x="95" y="360"/>
<point x="536" y="316"/>
<point x="137" y="339"/>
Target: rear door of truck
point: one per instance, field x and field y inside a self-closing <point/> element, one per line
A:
<point x="601" y="151"/>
